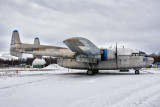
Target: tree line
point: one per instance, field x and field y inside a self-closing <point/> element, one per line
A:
<point x="22" y="61"/>
<point x="156" y="57"/>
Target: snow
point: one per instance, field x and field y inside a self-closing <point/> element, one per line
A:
<point x="6" y="56"/>
<point x="39" y="62"/>
<point x="55" y="86"/>
<point x="53" y="66"/>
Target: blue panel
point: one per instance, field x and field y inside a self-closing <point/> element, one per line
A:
<point x="29" y="50"/>
<point x="36" y="38"/>
<point x="15" y="31"/>
<point x="105" y="54"/>
<point x="145" y="59"/>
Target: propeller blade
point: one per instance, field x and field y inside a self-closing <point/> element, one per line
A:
<point x="116" y="55"/>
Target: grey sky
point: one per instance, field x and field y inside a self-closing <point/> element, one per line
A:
<point x="133" y="23"/>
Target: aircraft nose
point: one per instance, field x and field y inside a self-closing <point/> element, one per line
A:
<point x="151" y="59"/>
<point x="149" y="62"/>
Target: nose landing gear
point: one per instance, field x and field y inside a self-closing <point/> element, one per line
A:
<point x="136" y="71"/>
<point x="90" y="72"/>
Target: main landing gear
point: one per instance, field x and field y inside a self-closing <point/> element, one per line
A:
<point x="136" y="71"/>
<point x="91" y="72"/>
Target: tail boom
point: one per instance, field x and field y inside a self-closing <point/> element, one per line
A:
<point x="17" y="48"/>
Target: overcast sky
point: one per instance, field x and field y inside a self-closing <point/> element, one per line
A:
<point x="131" y="23"/>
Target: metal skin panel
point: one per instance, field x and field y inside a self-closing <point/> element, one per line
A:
<point x="36" y="42"/>
<point x="111" y="54"/>
<point x="124" y="61"/>
<point x="15" y="38"/>
<point x="17" y="54"/>
<point x="126" y="51"/>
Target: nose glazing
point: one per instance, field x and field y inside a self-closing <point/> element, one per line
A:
<point x="151" y="60"/>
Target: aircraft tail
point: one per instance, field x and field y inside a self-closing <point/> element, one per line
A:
<point x="15" y="44"/>
<point x="17" y="48"/>
<point x="15" y="38"/>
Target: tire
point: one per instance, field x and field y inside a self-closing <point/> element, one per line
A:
<point x="90" y="72"/>
<point x="136" y="71"/>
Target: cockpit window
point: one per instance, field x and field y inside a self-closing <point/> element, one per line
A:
<point x="139" y="54"/>
<point x="135" y="54"/>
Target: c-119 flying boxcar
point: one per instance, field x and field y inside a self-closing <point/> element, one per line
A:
<point x="83" y="54"/>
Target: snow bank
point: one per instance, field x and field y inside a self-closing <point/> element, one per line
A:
<point x="53" y="66"/>
<point x="39" y="62"/>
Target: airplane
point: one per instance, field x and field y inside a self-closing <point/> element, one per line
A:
<point x="83" y="54"/>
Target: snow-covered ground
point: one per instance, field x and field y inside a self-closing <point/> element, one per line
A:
<point x="73" y="88"/>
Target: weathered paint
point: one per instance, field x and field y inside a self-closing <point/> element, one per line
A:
<point x="124" y="62"/>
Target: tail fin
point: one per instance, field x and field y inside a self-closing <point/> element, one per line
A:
<point x="15" y="44"/>
<point x="15" y="38"/>
<point x="36" y="41"/>
<point x="17" y="48"/>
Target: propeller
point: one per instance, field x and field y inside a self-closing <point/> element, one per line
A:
<point x="116" y="55"/>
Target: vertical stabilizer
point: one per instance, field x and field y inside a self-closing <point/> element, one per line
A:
<point x="36" y="41"/>
<point x="15" y="38"/>
<point x="15" y="44"/>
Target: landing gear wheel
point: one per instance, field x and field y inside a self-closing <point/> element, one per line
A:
<point x="136" y="71"/>
<point x="90" y="72"/>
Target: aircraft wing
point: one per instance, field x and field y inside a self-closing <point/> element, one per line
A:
<point x="82" y="46"/>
